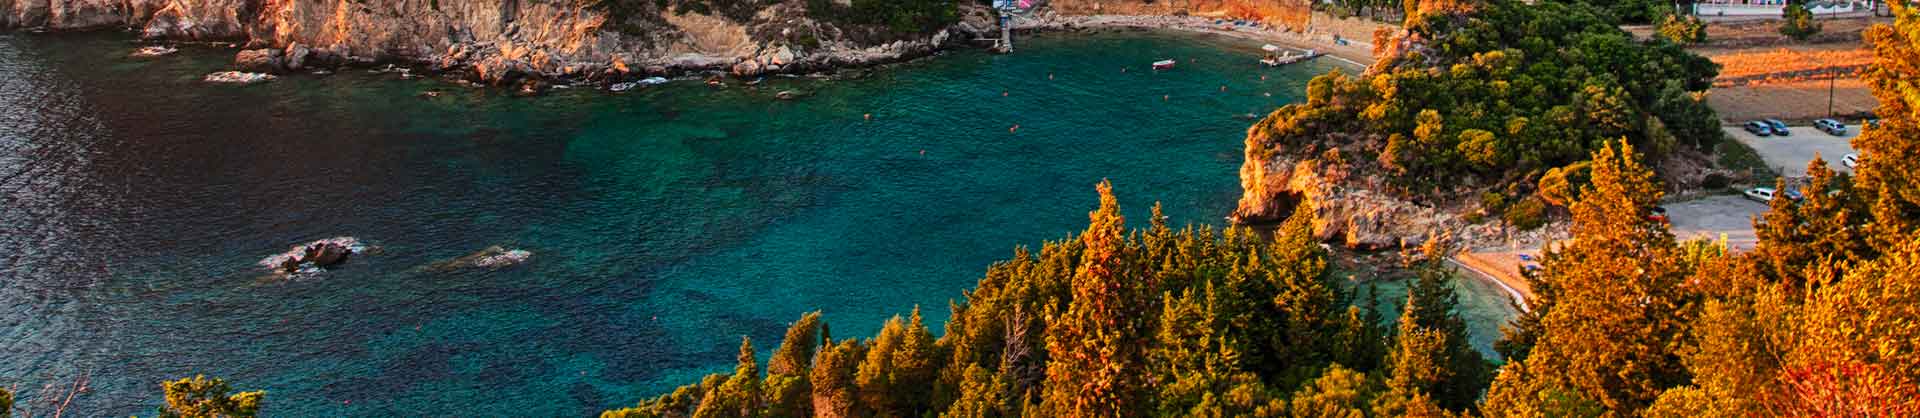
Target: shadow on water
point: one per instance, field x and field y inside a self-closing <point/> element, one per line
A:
<point x="664" y="223"/>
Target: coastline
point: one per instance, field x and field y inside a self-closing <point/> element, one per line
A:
<point x="1357" y="54"/>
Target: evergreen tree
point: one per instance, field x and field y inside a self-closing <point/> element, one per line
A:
<point x="1337" y="393"/>
<point x="1097" y="344"/>
<point x="1889" y="171"/>
<point x="833" y="378"/>
<point x="788" y="394"/>
<point x="1612" y="332"/>
<point x="739" y="396"/>
<point x="982" y="395"/>
<point x="1798" y="22"/>
<point x="201" y="397"/>
<point x="1433" y="357"/>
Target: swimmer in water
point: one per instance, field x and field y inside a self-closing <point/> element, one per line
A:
<point x="1015" y="128"/>
<point x="869" y="117"/>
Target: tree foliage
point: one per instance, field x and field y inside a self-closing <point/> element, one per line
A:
<point x="202" y="397"/>
<point x="1798" y="22"/>
<point x="1684" y="30"/>
<point x="1493" y="93"/>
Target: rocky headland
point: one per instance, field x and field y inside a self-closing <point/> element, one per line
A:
<point x="509" y="42"/>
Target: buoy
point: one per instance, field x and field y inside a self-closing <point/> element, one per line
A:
<point x="1049" y="76"/>
<point x="1123" y="69"/>
<point x="1263" y="77"/>
<point x="1223" y="88"/>
<point x="1003" y="94"/>
<point x="1165" y="97"/>
<point x="923" y="152"/>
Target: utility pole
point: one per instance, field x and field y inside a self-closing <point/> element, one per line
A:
<point x="1832" y="77"/>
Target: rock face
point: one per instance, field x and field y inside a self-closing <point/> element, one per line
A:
<point x="498" y="41"/>
<point x="1348" y="207"/>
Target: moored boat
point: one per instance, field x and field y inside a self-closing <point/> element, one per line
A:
<point x="1163" y="65"/>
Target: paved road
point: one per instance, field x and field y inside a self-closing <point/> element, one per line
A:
<point x="1789" y="155"/>
<point x="1712" y="217"/>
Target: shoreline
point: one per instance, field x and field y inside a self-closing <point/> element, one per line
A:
<point x="1356" y="55"/>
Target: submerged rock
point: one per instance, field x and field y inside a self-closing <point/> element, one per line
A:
<point x="154" y="51"/>
<point x="492" y="257"/>
<point x="237" y="77"/>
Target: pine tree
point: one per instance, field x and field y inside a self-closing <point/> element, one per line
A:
<point x="739" y="396"/>
<point x="833" y="378"/>
<point x="1889" y="171"/>
<point x="1613" y="330"/>
<point x="1097" y="344"/>
<point x="982" y="395"/>
<point x="787" y="391"/>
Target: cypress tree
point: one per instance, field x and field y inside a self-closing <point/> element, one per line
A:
<point x="1096" y="346"/>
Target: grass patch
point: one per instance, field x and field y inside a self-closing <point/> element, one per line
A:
<point x="1735" y="155"/>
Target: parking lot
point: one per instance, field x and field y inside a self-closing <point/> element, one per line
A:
<point x="1789" y="155"/>
<point x="1715" y="216"/>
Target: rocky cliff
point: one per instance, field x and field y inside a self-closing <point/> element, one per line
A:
<point x="1281" y="176"/>
<point x="505" y="40"/>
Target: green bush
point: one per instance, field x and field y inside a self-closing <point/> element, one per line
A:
<point x="1684" y="30"/>
<point x="1527" y="214"/>
<point x="1799" y="24"/>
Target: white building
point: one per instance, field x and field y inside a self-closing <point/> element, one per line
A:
<point x="1771" y="8"/>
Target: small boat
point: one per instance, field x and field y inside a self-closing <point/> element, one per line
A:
<point x="653" y="81"/>
<point x="620" y="87"/>
<point x="1163" y="65"/>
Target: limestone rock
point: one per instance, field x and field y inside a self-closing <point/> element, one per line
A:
<point x="262" y="60"/>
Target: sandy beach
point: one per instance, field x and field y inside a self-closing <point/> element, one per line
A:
<point x="1357" y="52"/>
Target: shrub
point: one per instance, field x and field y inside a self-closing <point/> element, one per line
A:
<point x="1527" y="214"/>
<point x="1684" y="30"/>
<point x="1799" y="24"/>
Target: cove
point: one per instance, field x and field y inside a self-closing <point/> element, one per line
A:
<point x="665" y="223"/>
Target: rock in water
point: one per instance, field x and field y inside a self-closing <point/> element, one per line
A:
<point x="237" y="77"/>
<point x="315" y="255"/>
<point x="154" y="51"/>
<point x="296" y="56"/>
<point x="492" y="257"/>
<point x="263" y="60"/>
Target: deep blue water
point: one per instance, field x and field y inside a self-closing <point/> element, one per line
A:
<point x="665" y="223"/>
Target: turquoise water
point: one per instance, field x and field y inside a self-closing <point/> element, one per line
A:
<point x="665" y="223"/>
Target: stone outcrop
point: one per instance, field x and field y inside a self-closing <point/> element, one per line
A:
<point x="494" y="41"/>
<point x="315" y="255"/>
<point x="1348" y="205"/>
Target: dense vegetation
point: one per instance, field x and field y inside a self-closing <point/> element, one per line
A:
<point x="1158" y="321"/>
<point x="1633" y="12"/>
<point x="1493" y="94"/>
<point x="902" y="16"/>
<point x="1819" y="320"/>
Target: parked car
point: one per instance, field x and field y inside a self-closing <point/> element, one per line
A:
<point x="1850" y="160"/>
<point x="1831" y="127"/>
<point x="1767" y="194"/>
<point x="1659" y="214"/>
<point x="1779" y="128"/>
<point x="1759" y="129"/>
<point x="1873" y="124"/>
